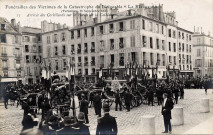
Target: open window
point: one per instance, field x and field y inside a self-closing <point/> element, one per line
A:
<point x="101" y="29"/>
<point x="112" y="44"/>
<point x="121" y="26"/>
<point x="121" y="43"/>
<point x="111" y="28"/>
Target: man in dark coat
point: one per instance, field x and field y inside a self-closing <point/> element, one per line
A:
<point x="45" y="107"/>
<point x="206" y="86"/>
<point x="151" y="97"/>
<point x="159" y="96"/>
<point x="128" y="100"/>
<point x="181" y="91"/>
<point x="118" y="101"/>
<point x="107" y="125"/>
<point x="5" y="95"/>
<point x="167" y="106"/>
<point x="97" y="104"/>
<point x="67" y="129"/>
<point x="84" y="107"/>
<point x="176" y="92"/>
<point x="82" y="128"/>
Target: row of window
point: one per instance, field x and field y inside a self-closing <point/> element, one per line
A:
<point x="32" y="71"/>
<point x="55" y="38"/>
<point x="15" y="39"/>
<point x="119" y="27"/>
<point x="92" y="62"/>
<point x="86" y="49"/>
<point x="185" y="59"/>
<point x="182" y="48"/>
<point x="33" y="59"/>
<point x="33" y="49"/>
<point x="187" y="67"/>
<point x="5" y="64"/>
<point x="6" y="73"/>
<point x="29" y="39"/>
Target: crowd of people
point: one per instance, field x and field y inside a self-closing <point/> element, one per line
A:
<point x="61" y="121"/>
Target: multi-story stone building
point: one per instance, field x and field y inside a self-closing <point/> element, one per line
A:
<point x="56" y="46"/>
<point x="32" y="54"/>
<point x="203" y="54"/>
<point x="185" y="54"/>
<point x="145" y="35"/>
<point x="11" y="58"/>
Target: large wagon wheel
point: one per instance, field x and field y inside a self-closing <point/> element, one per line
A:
<point x="138" y="98"/>
<point x="108" y="101"/>
<point x="133" y="103"/>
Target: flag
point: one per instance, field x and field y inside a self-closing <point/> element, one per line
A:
<point x="44" y="73"/>
<point x="67" y="73"/>
<point x="127" y="71"/>
<point x="100" y="73"/>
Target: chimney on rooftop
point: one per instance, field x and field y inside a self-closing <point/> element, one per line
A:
<point x="13" y="22"/>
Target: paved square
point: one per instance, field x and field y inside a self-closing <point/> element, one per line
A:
<point x="128" y="122"/>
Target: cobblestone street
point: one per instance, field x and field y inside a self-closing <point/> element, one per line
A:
<point x="128" y="122"/>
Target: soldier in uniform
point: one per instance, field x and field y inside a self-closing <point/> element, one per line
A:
<point x="159" y="95"/>
<point x="128" y="100"/>
<point x="84" y="107"/>
<point x="181" y="91"/>
<point x="151" y="97"/>
<point x="97" y="104"/>
<point x="176" y="91"/>
<point x="5" y="95"/>
<point x="107" y="125"/>
<point x="118" y="101"/>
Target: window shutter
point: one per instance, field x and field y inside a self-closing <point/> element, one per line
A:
<point x="124" y="25"/>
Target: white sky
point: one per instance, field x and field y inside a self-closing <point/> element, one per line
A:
<point x="189" y="13"/>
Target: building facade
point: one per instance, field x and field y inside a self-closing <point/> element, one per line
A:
<point x="11" y="58"/>
<point x="144" y="35"/>
<point x="32" y="54"/>
<point x="203" y="54"/>
<point x="56" y="47"/>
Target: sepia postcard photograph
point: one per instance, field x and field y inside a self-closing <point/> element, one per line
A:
<point x="106" y="67"/>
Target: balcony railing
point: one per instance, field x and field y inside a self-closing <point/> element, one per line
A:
<point x="102" y="49"/>
<point x="111" y="30"/>
<point x="92" y="50"/>
<point x="92" y="63"/>
<point x="102" y="65"/>
<point x="5" y="68"/>
<point x="121" y="45"/>
<point x="72" y="51"/>
<point x="4" y="54"/>
<point x="79" y="51"/>
<point x="86" y="64"/>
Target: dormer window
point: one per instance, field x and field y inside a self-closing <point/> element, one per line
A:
<point x="2" y="26"/>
